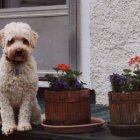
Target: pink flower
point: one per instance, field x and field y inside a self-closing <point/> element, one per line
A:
<point x="130" y="62"/>
<point x="134" y="60"/>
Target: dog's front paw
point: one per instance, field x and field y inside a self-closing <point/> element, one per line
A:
<point x="24" y="127"/>
<point x="8" y="129"/>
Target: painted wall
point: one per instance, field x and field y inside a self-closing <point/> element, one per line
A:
<point x="114" y="37"/>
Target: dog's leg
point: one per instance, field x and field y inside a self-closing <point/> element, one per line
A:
<point x="36" y="114"/>
<point x="25" y="113"/>
<point x="7" y="116"/>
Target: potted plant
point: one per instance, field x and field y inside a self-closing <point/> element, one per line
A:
<point x="67" y="102"/>
<point x="124" y="99"/>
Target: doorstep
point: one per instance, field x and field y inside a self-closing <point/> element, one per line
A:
<point x="40" y="134"/>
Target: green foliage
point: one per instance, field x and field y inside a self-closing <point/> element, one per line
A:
<point x="64" y="79"/>
<point x="126" y="82"/>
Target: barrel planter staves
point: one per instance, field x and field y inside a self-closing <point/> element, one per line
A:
<point x="124" y="113"/>
<point x="124" y="108"/>
<point x="67" y="107"/>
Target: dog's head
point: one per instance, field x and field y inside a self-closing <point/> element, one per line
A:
<point x="18" y="40"/>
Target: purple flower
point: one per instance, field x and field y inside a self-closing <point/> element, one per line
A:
<point x="59" y="85"/>
<point x="78" y="84"/>
<point x="116" y="78"/>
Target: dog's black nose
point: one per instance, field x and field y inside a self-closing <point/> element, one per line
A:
<point x="19" y="52"/>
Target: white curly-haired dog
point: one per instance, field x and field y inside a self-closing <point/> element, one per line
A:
<point x="18" y="78"/>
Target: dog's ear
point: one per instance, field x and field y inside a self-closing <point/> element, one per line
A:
<point x="2" y="38"/>
<point x="34" y="38"/>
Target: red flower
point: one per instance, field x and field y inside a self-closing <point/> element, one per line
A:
<point x="131" y="61"/>
<point x="134" y="60"/>
<point x="63" y="67"/>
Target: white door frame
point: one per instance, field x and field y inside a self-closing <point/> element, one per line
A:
<point x="84" y="55"/>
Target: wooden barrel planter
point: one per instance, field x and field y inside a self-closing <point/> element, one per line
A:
<point x="67" y="107"/>
<point x="124" y="108"/>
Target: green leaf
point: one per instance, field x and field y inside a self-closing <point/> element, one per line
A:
<point x="56" y="69"/>
<point x="68" y="72"/>
<point x="77" y="73"/>
<point x="127" y="71"/>
<point x="137" y="72"/>
<point x="50" y="77"/>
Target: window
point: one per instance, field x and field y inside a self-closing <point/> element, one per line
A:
<point x="29" y="3"/>
<point x="54" y="21"/>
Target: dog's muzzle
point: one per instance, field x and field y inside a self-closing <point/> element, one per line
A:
<point x="19" y="56"/>
<point x="19" y="53"/>
<point x="14" y="61"/>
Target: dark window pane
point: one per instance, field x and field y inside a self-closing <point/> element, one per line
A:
<point x="29" y="3"/>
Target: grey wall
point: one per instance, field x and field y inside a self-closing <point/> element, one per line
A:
<point x="114" y="37"/>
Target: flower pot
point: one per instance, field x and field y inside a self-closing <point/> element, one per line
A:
<point x="67" y="107"/>
<point x="124" y="108"/>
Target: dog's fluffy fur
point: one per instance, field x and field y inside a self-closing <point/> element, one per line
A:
<point x="18" y="78"/>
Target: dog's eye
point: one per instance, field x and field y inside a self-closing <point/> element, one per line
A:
<point x="10" y="42"/>
<point x="25" y="41"/>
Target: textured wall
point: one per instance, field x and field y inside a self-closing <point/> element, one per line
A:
<point x="115" y="37"/>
